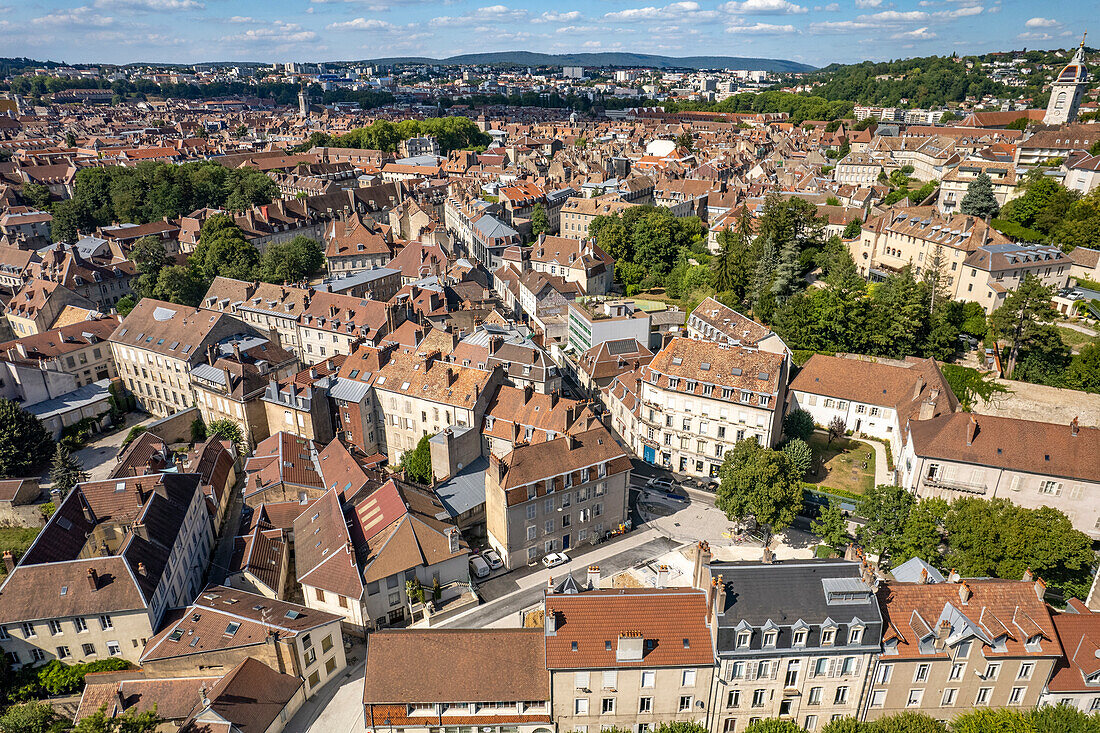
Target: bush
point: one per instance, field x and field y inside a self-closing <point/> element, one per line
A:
<point x="58" y="678"/>
<point x="133" y="434"/>
<point x="800" y="454"/>
<point x="198" y="430"/>
<point x="798" y="424"/>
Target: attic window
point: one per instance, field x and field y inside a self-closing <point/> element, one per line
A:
<point x="64" y="590"/>
<point x="232" y="628"/>
<point x="687" y="644"/>
<point x="120" y="486"/>
<point x="705" y="366"/>
<point x="677" y="361"/>
<point x="573" y="646"/>
<point x="292" y="615"/>
<point x="176" y="635"/>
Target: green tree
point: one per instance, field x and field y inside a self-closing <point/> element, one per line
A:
<point x="150" y="257"/>
<point x="799" y="424"/>
<point x="731" y="264"/>
<point x="198" y="430"/>
<point x="226" y="429"/>
<point x="24" y="443"/>
<point x="995" y="538"/>
<point x="800" y="454"/>
<point x="761" y="483"/>
<point x="36" y="196"/>
<point x="886" y="509"/>
<point x="1062" y="719"/>
<point x="66" y="471"/>
<point x="223" y="250"/>
<point x="540" y="222"/>
<point x="979" y="199"/>
<point x="836" y="428"/>
<point x="843" y="725"/>
<point x="129" y="722"/>
<point x="774" y="725"/>
<point x="293" y="261"/>
<point x="853" y="228"/>
<point x="788" y="273"/>
<point x="907" y="722"/>
<point x="831" y="527"/>
<point x="681" y="726"/>
<point x="417" y="463"/>
<point x="30" y="717"/>
<point x="1084" y="369"/>
<point x="922" y="532"/>
<point x="182" y="284"/>
<point x="686" y="141"/>
<point x="992" y="721"/>
<point x="1017" y="320"/>
<point x="1020" y="123"/>
<point x="125" y="304"/>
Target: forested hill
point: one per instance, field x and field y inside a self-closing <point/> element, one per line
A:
<point x="918" y="82"/>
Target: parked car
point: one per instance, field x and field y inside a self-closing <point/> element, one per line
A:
<point x="491" y="557"/>
<point x="554" y="559"/>
<point x="479" y="567"/>
<point x="659" y="484"/>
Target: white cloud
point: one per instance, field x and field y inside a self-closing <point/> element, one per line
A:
<point x="81" y="16"/>
<point x="895" y="16"/>
<point x="150" y="5"/>
<point x="763" y="7"/>
<point x="917" y="34"/>
<point x="868" y="3"/>
<point x="242" y="19"/>
<point x="840" y="26"/>
<point x="362" y="24"/>
<point x="551" y="17"/>
<point x="763" y="29"/>
<point x="964" y="12"/>
<point x="489" y="13"/>
<point x="277" y="33"/>
<point x="686" y="10"/>
<point x="1041" y="23"/>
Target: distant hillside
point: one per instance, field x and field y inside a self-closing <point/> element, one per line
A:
<point x="530" y="58"/>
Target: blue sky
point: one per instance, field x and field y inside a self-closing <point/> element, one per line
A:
<point x="812" y="31"/>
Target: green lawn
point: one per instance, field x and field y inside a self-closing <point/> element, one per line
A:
<point x="841" y="464"/>
<point x="1075" y="340"/>
<point x="16" y="540"/>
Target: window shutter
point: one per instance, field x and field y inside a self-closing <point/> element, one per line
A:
<point x="832" y="668"/>
<point x="609" y="679"/>
<point x="580" y="679"/>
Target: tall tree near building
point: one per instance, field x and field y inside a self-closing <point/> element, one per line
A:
<point x="1019" y="318"/>
<point x="761" y="483"/>
<point x="417" y="463"/>
<point x="293" y="261"/>
<point x="979" y="199"/>
<point x="731" y="264"/>
<point x="66" y="470"/>
<point x="788" y="274"/>
<point x="150" y="257"/>
<point x="223" y="250"/>
<point x="24" y="443"/>
<point x="540" y="222"/>
<point x="935" y="277"/>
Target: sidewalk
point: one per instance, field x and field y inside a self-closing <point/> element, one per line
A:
<point x="882" y="469"/>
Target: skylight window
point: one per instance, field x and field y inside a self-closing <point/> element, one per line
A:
<point x="232" y="628"/>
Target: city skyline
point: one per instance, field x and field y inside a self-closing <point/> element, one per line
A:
<point x="195" y="31"/>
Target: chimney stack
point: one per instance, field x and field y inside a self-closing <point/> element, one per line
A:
<point x="971" y="430"/>
<point x="720" y="596"/>
<point x="141" y="568"/>
<point x="711" y="593"/>
<point x="528" y="390"/>
<point x="9" y="561"/>
<point x="553" y="398"/>
<point x="769" y="556"/>
<point x="1040" y="589"/>
<point x="93" y="579"/>
<point x="953" y="576"/>
<point x="593" y="577"/>
<point x="702" y="559"/>
<point x="662" y="576"/>
<point x="1074" y="427"/>
<point x="551" y="619"/>
<point x="1028" y="576"/>
<point x="918" y="386"/>
<point x="964" y="593"/>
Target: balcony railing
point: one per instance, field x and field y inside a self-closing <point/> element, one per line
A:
<point x="953" y="485"/>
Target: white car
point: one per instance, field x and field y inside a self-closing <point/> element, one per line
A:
<point x="479" y="567"/>
<point x="555" y="559"/>
<point x="491" y="557"/>
<point x="660" y="484"/>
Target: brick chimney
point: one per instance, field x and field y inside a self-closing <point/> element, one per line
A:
<point x="971" y="430"/>
<point x="554" y="398"/>
<point x="9" y="561"/>
<point x="1040" y="589"/>
<point x="1028" y="576"/>
<point x="93" y="579"/>
<point x="918" y="386"/>
<point x="964" y="592"/>
<point x="1074" y="427"/>
<point x="528" y="391"/>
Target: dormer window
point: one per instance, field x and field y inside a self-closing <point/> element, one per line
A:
<point x="770" y="637"/>
<point x="855" y="635"/>
<point x="828" y="636"/>
<point x="1034" y="643"/>
<point x="800" y="637"/>
<point x="743" y="638"/>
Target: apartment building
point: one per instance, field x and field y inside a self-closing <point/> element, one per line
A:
<point x="354" y="245"/>
<point x="38" y="303"/>
<point x="858" y="169"/>
<point x="575" y="259"/>
<point x="158" y="344"/>
<point x="98" y="579"/>
<point x="595" y="320"/>
<point x="698" y="399"/>
<point x="229" y="385"/>
<point x="873" y="396"/>
<point x="714" y="321"/>
<point x="912" y="236"/>
<point x="955" y="646"/>
<point x="955" y="183"/>
<point x="794" y="640"/>
<point x="577" y="213"/>
<point x="229" y="625"/>
<point x="991" y="272"/>
<point x="100" y="280"/>
<point x="515" y="416"/>
<point x="420" y="395"/>
<point x="1030" y="463"/>
<point x="493" y="680"/>
<point x="79" y="349"/>
<point x="300" y="404"/>
<point x="549" y="497"/>
<point x="1075" y="682"/>
<point x="325" y="563"/>
<point x="630" y="659"/>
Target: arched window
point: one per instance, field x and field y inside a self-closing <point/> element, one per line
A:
<point x="1061" y="101"/>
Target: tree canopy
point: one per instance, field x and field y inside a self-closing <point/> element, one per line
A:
<point x="417" y="463"/>
<point x="761" y="483"/>
<point x="25" y="446"/>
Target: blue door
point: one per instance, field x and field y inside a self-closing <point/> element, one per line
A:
<point x="649" y="455"/>
<point x="565" y="542"/>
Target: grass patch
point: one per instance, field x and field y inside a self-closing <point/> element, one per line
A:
<point x="844" y="464"/>
<point x="1075" y="340"/>
<point x="16" y="540"/>
<point x="824" y="551"/>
